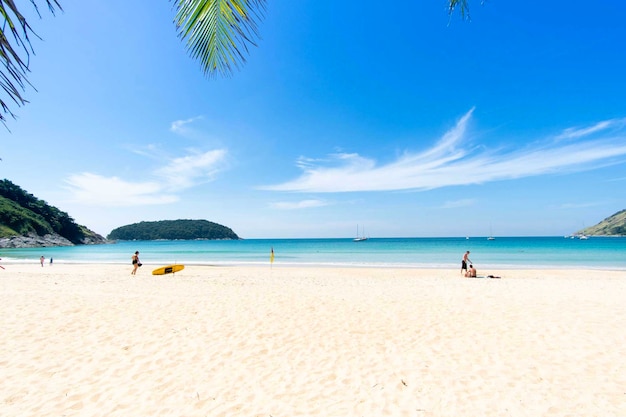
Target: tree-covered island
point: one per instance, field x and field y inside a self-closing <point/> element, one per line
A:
<point x="173" y="230"/>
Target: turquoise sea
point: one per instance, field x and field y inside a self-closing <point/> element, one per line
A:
<point x="502" y="253"/>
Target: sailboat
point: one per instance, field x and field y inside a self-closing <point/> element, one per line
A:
<point x="359" y="238"/>
<point x="582" y="235"/>
<point x="490" y="234"/>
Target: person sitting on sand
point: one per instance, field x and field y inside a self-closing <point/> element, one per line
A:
<point x="471" y="272"/>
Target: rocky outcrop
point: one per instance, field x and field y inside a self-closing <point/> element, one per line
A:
<point x="34" y="241"/>
<point x="94" y="240"/>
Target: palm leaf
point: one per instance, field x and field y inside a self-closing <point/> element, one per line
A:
<point x="15" y="51"/>
<point x="462" y="5"/>
<point x="218" y="32"/>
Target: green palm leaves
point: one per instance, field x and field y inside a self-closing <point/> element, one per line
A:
<point x="15" y="54"/>
<point x="218" y="32"/>
<point x="461" y="4"/>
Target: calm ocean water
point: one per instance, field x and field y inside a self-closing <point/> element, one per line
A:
<point x="503" y="253"/>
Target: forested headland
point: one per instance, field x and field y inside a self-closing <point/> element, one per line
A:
<point x="614" y="225"/>
<point x="26" y="221"/>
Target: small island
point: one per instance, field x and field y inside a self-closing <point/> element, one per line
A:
<point x="173" y="230"/>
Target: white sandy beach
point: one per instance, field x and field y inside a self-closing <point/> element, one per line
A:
<point x="92" y="340"/>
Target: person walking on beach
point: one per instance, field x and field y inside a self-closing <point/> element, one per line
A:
<point x="136" y="263"/>
<point x="464" y="262"/>
<point x="41" y="260"/>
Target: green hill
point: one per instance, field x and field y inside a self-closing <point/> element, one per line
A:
<point x="614" y="225"/>
<point x="24" y="215"/>
<point x="173" y="230"/>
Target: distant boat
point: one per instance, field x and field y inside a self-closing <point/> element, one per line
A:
<point x="359" y="238"/>
<point x="582" y="235"/>
<point x="490" y="234"/>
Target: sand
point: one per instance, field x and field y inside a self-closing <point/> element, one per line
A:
<point x="91" y="340"/>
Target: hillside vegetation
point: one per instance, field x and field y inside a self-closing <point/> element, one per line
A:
<point x="614" y="225"/>
<point x="173" y="230"/>
<point x="22" y="214"/>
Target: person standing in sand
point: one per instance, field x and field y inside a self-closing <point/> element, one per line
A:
<point x="41" y="260"/>
<point x="464" y="262"/>
<point x="136" y="263"/>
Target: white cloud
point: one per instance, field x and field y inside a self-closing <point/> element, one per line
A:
<point x="184" y="172"/>
<point x="93" y="189"/>
<point x="450" y="163"/>
<point x="179" y="174"/>
<point x="574" y="133"/>
<point x="297" y="205"/>
<point x="180" y="126"/>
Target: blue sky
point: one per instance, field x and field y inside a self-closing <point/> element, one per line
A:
<point x="402" y="120"/>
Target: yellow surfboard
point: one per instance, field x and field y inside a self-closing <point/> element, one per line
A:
<point x="169" y="269"/>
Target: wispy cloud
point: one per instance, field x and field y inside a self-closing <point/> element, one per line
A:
<point x="450" y="162"/>
<point x="575" y="133"/>
<point x="150" y="150"/>
<point x="186" y="171"/>
<point x="93" y="189"/>
<point x="181" y="126"/>
<point x="179" y="174"/>
<point x="298" y="205"/>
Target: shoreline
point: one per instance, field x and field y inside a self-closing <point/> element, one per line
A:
<point x="505" y="253"/>
<point x="311" y="265"/>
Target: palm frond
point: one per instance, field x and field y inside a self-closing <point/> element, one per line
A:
<point x="15" y="52"/>
<point x="462" y="5"/>
<point x="218" y="32"/>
